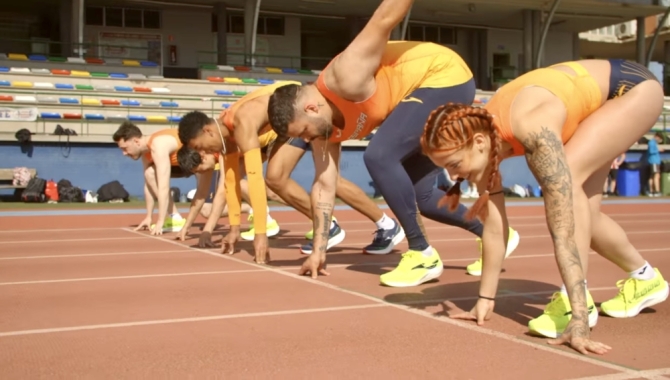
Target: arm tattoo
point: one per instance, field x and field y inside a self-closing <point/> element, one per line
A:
<point x="322" y="227"/>
<point x="546" y="159"/>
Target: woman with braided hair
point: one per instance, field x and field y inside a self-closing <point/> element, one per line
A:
<point x="553" y="116"/>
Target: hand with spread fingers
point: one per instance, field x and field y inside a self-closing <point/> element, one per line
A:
<point x="228" y="242"/>
<point x="261" y="249"/>
<point x="576" y="335"/>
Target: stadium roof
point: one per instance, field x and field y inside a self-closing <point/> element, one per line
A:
<point x="571" y="15"/>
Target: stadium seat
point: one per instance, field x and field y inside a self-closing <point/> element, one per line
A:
<point x="232" y="80"/>
<point x="83" y="87"/>
<point x="249" y="81"/>
<point x="168" y="104"/>
<point x="130" y="62"/>
<point x="50" y="115"/>
<point x="45" y="85"/>
<point x="19" y="70"/>
<point x="25" y="99"/>
<point x="60" y="72"/>
<point x="37" y="58"/>
<point x="71" y="115"/>
<point x="17" y="57"/>
<point x="91" y="102"/>
<point x="289" y="71"/>
<point x="4" y="69"/>
<point x="225" y="68"/>
<point x="137" y="118"/>
<point x="130" y="103"/>
<point x="68" y="100"/>
<point x="94" y="61"/>
<point x="160" y="90"/>
<point x="223" y="92"/>
<point x="40" y="71"/>
<point x="5" y="83"/>
<point x="6" y="98"/>
<point x="94" y="116"/>
<point x="76" y="60"/>
<point x="141" y="89"/>
<point x="110" y="102"/>
<point x="266" y="81"/>
<point x="123" y="88"/>
<point x="22" y="84"/>
<point x="77" y="73"/>
<point x="118" y="75"/>
<point x="273" y="70"/>
<point x="215" y="79"/>
<point x="148" y="64"/>
<point x="97" y="74"/>
<point x="157" y="119"/>
<point x="174" y="119"/>
<point x="64" y="86"/>
<point x="47" y="99"/>
<point x="136" y="76"/>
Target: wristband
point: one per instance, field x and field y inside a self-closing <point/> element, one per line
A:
<point x="487" y="298"/>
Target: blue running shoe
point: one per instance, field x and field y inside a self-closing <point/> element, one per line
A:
<point x="336" y="237"/>
<point x="385" y="240"/>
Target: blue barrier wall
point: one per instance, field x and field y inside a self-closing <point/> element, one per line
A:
<point x="91" y="165"/>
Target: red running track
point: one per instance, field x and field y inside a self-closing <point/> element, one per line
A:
<point x="84" y="296"/>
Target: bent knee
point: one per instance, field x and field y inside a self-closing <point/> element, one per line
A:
<point x="374" y="157"/>
<point x="276" y="179"/>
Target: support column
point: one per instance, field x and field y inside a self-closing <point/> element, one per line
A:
<point x="396" y="33"/>
<point x="251" y="9"/>
<point x="482" y="74"/>
<point x="640" y="40"/>
<point x="654" y="39"/>
<point x="405" y="24"/>
<point x="77" y="31"/>
<point x="527" y="44"/>
<point x="545" y="29"/>
<point x="576" y="52"/>
<point x="536" y="19"/>
<point x="66" y="23"/>
<point x="221" y="15"/>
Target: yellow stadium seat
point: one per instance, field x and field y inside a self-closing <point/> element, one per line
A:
<point x="273" y="70"/>
<point x="17" y="57"/>
<point x="130" y="62"/>
<point x="157" y="119"/>
<point x="232" y="80"/>
<point x="91" y="102"/>
<point x="76" y="73"/>
<point x="22" y="84"/>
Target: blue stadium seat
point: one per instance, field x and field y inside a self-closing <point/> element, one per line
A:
<point x="94" y="116"/>
<point x="130" y="103"/>
<point x="50" y="115"/>
<point x="223" y="92"/>
<point x="289" y="71"/>
<point x="118" y="75"/>
<point x="123" y="88"/>
<point x="64" y="86"/>
<point x="174" y="119"/>
<point x="137" y="118"/>
<point x="266" y="81"/>
<point x="68" y="100"/>
<point x="148" y="64"/>
<point x="37" y="57"/>
<point x="4" y="69"/>
<point x="225" y="105"/>
<point x="169" y="104"/>
<point x="5" y="83"/>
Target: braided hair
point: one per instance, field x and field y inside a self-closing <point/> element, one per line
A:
<point x="451" y="127"/>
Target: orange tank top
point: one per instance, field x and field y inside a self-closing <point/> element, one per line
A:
<point x="229" y="114"/>
<point x="580" y="93"/>
<point x="174" y="132"/>
<point x="405" y="66"/>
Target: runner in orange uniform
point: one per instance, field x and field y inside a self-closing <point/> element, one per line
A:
<point x="394" y="86"/>
<point x="557" y="118"/>
<point x="159" y="158"/>
<point x="240" y="127"/>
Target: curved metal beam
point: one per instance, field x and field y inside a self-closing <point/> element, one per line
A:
<point x="654" y="39"/>
<point x="405" y="24"/>
<point x="545" y="30"/>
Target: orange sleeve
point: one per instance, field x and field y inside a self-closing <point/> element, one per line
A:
<point x="257" y="195"/>
<point x="231" y="162"/>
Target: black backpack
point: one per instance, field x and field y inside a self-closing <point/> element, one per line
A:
<point x="112" y="190"/>
<point x="68" y="193"/>
<point x="34" y="191"/>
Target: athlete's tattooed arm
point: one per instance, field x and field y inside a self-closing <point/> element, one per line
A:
<point x="326" y="162"/>
<point x="546" y="159"/>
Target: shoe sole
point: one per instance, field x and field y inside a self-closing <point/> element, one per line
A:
<point x="335" y="240"/>
<point x="649" y="302"/>
<point x="270" y="233"/>
<point x="593" y="321"/>
<point x="395" y="241"/>
<point x="514" y="243"/>
<point x="430" y="275"/>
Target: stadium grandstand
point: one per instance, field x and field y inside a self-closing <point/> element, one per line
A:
<point x="87" y="66"/>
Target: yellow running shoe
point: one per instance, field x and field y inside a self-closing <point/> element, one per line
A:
<point x="172" y="225"/>
<point x="557" y="315"/>
<point x="414" y="269"/>
<point x="636" y="295"/>
<point x="475" y="269"/>
<point x="271" y="229"/>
